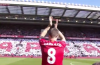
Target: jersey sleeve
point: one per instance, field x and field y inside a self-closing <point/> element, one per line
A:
<point x="41" y="40"/>
<point x="64" y="43"/>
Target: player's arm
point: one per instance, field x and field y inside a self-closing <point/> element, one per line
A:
<point x="60" y="33"/>
<point x="44" y="32"/>
<point x="62" y="36"/>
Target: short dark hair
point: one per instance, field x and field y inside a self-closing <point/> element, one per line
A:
<point x="53" y="32"/>
<point x="97" y="63"/>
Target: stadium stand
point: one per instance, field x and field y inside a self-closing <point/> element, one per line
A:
<point x="83" y="32"/>
<point x="31" y="30"/>
<point x="19" y="30"/>
<point x="30" y="47"/>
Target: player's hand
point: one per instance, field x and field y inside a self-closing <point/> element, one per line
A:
<point x="56" y="24"/>
<point x="50" y="20"/>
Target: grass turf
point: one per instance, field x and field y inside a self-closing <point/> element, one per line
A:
<point x="37" y="61"/>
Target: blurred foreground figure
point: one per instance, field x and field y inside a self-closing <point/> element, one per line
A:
<point x="97" y="63"/>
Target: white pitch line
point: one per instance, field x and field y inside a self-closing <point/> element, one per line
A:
<point x="71" y="64"/>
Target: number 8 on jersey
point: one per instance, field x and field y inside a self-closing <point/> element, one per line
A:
<point x="51" y="56"/>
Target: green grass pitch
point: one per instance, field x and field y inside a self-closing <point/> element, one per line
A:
<point x="37" y="61"/>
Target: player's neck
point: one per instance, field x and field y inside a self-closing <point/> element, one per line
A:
<point x="53" y="39"/>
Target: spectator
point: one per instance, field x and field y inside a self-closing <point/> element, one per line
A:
<point x="97" y="63"/>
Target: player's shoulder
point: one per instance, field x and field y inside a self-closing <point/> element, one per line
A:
<point x="62" y="41"/>
<point x="43" y="40"/>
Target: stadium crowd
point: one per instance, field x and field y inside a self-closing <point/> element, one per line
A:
<point x="30" y="47"/>
<point x="31" y="30"/>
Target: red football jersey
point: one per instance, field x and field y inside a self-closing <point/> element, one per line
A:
<point x="52" y="52"/>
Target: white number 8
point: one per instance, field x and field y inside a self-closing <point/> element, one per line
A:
<point x="51" y="55"/>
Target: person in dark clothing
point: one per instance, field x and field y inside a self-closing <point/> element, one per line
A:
<point x="97" y="63"/>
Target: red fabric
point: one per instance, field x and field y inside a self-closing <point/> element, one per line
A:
<point x="57" y="51"/>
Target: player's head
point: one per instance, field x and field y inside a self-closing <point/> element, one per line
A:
<point x="97" y="63"/>
<point x="53" y="33"/>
